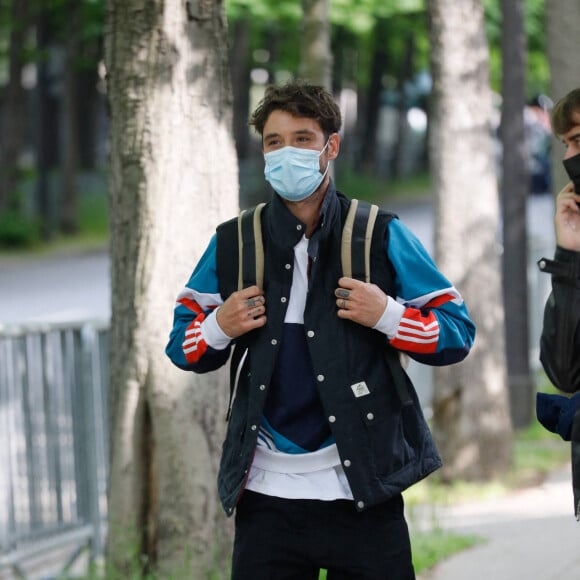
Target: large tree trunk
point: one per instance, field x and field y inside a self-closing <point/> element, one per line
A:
<point x="514" y="194"/>
<point x="316" y="59"/>
<point x="562" y="28"/>
<point x="471" y="409"/>
<point x="173" y="177"/>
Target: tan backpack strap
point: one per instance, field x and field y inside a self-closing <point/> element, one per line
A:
<point x="346" y="243"/>
<point x="374" y="210"/>
<point x="357" y="235"/>
<point x="240" y="251"/>
<point x="259" y="246"/>
<point x="250" y="248"/>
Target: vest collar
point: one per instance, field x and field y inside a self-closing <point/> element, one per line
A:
<point x="287" y="230"/>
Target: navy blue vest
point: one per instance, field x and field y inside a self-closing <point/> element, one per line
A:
<point x="384" y="443"/>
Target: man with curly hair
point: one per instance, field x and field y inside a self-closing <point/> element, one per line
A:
<point x="325" y="429"/>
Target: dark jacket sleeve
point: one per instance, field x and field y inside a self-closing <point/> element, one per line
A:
<point x="560" y="340"/>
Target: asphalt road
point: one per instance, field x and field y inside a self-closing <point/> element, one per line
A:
<point x="76" y="286"/>
<point x="59" y="288"/>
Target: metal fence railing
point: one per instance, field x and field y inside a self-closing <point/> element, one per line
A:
<point x="53" y="434"/>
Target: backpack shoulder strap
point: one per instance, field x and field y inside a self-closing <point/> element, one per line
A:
<point x="250" y="248"/>
<point x="250" y="269"/>
<point x="357" y="234"/>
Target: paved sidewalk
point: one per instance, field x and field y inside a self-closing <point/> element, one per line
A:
<point x="531" y="534"/>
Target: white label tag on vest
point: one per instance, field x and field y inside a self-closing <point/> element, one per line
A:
<point x="360" y="389"/>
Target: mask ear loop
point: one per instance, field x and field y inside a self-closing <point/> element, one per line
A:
<point x="328" y="162"/>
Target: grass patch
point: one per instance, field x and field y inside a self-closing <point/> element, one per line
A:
<point x="432" y="547"/>
<point x="93" y="222"/>
<point x="375" y="189"/>
<point x="93" y="231"/>
<point x="536" y="453"/>
<point x="18" y="231"/>
<point x="94" y="215"/>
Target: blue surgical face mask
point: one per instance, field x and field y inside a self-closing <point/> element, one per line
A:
<point x="294" y="173"/>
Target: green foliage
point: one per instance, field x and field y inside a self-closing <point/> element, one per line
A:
<point x="269" y="10"/>
<point x="17" y="231"/>
<point x="436" y="545"/>
<point x="94" y="215"/>
<point x="91" y="23"/>
<point x="281" y="20"/>
<point x="372" y="188"/>
<point x="358" y="18"/>
<point x="537" y="73"/>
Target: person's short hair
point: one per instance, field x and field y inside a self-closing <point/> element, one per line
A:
<point x="301" y="99"/>
<point x="563" y="111"/>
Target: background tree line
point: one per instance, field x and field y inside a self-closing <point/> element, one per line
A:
<point x="180" y="80"/>
<point x="52" y="92"/>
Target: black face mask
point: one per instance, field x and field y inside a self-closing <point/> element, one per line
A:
<point x="572" y="167"/>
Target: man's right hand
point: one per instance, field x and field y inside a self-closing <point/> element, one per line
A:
<point x="567" y="219"/>
<point x="243" y="311"/>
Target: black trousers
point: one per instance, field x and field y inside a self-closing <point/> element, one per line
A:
<point x="282" y="539"/>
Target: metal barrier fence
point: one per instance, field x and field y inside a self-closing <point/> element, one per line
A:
<point x="53" y="439"/>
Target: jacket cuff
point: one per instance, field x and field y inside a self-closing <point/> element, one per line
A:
<point x="564" y="266"/>
<point x="389" y="322"/>
<point x="213" y="335"/>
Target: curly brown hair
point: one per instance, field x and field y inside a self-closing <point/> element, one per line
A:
<point x="301" y="99"/>
<point x="563" y="111"/>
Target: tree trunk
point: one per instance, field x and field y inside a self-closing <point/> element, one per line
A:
<point x="90" y="99"/>
<point x="240" y="68"/>
<point x="514" y="194"/>
<point x="13" y="108"/>
<point x="316" y="59"/>
<point x="379" y="64"/>
<point x="471" y="409"/>
<point x="173" y="178"/>
<point x="46" y="132"/>
<point x="562" y="28"/>
<point x="69" y="202"/>
<point x="406" y="72"/>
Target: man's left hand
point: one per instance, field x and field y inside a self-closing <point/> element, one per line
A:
<point x="359" y="301"/>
